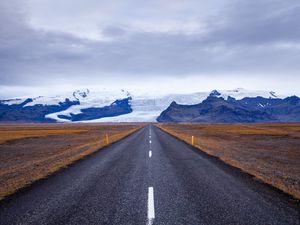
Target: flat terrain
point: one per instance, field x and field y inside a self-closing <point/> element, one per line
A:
<point x="270" y="152"/>
<point x="29" y="152"/>
<point x="150" y="177"/>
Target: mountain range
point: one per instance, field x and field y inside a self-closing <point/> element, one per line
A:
<point x="246" y="110"/>
<point x="107" y="105"/>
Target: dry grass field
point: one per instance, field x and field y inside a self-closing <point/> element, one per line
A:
<point x="270" y="152"/>
<point x="29" y="152"/>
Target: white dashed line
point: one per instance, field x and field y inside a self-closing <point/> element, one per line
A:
<point x="151" y="213"/>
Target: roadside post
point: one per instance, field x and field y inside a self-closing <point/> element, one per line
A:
<point x="193" y="140"/>
<point x="106" y="137"/>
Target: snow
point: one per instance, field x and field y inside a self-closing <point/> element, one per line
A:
<point x="146" y="106"/>
<point x="81" y="94"/>
<point x="241" y="93"/>
<point x="16" y="101"/>
<point x="72" y="96"/>
<point x="135" y="116"/>
<point x="88" y="100"/>
<point x="42" y="100"/>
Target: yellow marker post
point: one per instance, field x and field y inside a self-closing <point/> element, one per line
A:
<point x="193" y="140"/>
<point x="106" y="137"/>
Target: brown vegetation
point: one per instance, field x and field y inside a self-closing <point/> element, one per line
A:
<point x="29" y="152"/>
<point x="270" y="152"/>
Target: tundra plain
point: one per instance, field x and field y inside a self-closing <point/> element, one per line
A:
<point x="269" y="152"/>
<point x="29" y="152"/>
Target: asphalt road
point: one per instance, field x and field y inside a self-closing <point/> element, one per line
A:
<point x="149" y="178"/>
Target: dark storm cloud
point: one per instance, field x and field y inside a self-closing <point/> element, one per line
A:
<point x="247" y="36"/>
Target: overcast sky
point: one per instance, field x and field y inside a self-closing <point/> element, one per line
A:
<point x="171" y="45"/>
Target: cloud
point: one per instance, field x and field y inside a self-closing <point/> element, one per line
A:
<point x="260" y="22"/>
<point x="41" y="45"/>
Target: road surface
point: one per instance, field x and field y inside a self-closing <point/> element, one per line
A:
<point x="149" y="178"/>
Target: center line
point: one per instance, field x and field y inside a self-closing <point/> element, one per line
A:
<point x="151" y="214"/>
<point x="150" y="141"/>
<point x="150" y="154"/>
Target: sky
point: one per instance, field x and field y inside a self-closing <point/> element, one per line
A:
<point x="48" y="46"/>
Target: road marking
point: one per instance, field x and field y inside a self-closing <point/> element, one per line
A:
<point x="151" y="213"/>
<point x="150" y="141"/>
<point x="150" y="154"/>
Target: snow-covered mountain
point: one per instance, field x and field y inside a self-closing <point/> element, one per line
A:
<point x="108" y="105"/>
<point x="87" y="99"/>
